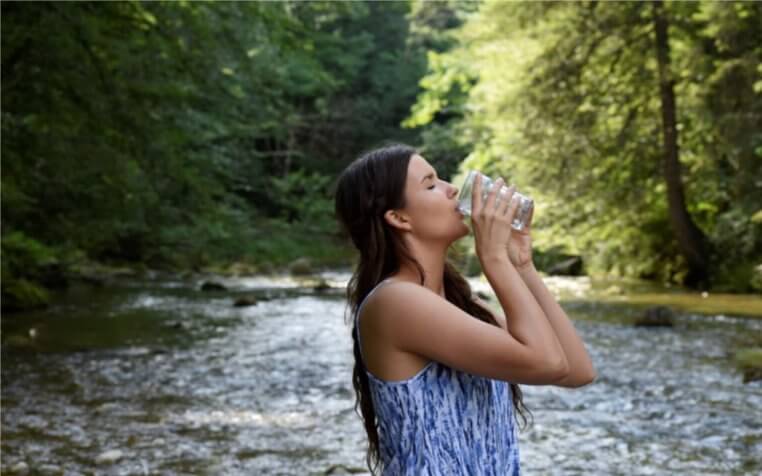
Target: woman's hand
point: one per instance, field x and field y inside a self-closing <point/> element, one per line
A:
<point x="491" y="221"/>
<point x="520" y="246"/>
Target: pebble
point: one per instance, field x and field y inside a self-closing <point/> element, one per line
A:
<point x="20" y="468"/>
<point x="107" y="407"/>
<point x="109" y="457"/>
<point x="245" y="301"/>
<point x="49" y="469"/>
<point x="33" y="422"/>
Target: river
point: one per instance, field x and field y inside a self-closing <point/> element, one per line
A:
<point x="154" y="376"/>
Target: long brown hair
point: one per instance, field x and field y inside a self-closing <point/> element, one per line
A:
<point x="368" y="187"/>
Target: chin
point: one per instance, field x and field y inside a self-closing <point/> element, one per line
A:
<point x="464" y="231"/>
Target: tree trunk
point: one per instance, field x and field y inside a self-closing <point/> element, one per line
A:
<point x="290" y="144"/>
<point x="690" y="238"/>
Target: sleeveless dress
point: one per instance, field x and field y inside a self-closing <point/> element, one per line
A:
<point x="443" y="421"/>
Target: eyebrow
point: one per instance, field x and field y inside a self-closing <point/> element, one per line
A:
<point x="429" y="176"/>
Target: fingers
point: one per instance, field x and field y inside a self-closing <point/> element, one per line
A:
<point x="493" y="194"/>
<point x="513" y="207"/>
<point x="506" y="200"/>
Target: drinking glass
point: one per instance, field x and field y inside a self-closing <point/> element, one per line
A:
<point x="523" y="212"/>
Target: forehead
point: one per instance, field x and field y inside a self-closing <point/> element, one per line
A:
<point x="418" y="168"/>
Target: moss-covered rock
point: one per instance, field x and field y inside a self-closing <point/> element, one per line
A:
<point x="756" y="278"/>
<point x="213" y="286"/>
<point x="266" y="267"/>
<point x="18" y="342"/>
<point x="614" y="290"/>
<point x="321" y="286"/>
<point x="658" y="316"/>
<point x="749" y="361"/>
<point x="301" y="267"/>
<point x="21" y="294"/>
<point x="241" y="268"/>
<point x="27" y="267"/>
<point x="245" y="301"/>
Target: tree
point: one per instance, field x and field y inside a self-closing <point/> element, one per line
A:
<point x="567" y="104"/>
<point x="690" y="238"/>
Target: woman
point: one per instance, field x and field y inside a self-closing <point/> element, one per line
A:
<point x="436" y="373"/>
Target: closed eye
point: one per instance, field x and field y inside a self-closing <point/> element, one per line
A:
<point x="429" y="188"/>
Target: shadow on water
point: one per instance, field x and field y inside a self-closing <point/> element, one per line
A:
<point x="158" y="377"/>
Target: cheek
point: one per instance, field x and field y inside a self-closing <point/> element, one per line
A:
<point x="431" y="212"/>
<point x="434" y="202"/>
<point x="437" y="220"/>
<point x="423" y="206"/>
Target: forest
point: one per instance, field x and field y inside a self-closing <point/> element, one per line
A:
<point x="206" y="136"/>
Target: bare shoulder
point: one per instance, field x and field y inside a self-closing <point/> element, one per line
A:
<point x="401" y="307"/>
<point x="400" y="295"/>
<point x="402" y="302"/>
<point x="411" y="319"/>
<point x="393" y="301"/>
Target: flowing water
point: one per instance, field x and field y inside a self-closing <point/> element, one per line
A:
<point x="179" y="381"/>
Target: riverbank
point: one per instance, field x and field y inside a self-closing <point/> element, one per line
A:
<point x="32" y="271"/>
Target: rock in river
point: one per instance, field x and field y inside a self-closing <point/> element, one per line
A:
<point x="245" y="301"/>
<point x="20" y="468"/>
<point x="658" y="316"/>
<point x="109" y="457"/>
<point x="321" y="286"/>
<point x="300" y="267"/>
<point x="749" y="362"/>
<point x="212" y="286"/>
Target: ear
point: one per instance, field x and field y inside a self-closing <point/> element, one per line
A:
<point x="397" y="219"/>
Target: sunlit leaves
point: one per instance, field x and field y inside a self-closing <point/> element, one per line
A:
<point x="566" y="101"/>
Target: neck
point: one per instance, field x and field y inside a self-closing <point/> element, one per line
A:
<point x="432" y="258"/>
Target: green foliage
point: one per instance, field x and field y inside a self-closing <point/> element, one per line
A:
<point x="441" y="105"/>
<point x="566" y="105"/>
<point x="24" y="256"/>
<point x="183" y="133"/>
<point x="303" y="196"/>
<point x="749" y="358"/>
<point x="21" y="294"/>
<point x="276" y="243"/>
<point x="170" y="133"/>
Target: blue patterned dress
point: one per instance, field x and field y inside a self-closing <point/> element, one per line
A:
<point x="443" y="421"/>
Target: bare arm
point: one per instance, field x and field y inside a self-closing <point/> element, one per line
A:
<point x="499" y="317"/>
<point x="525" y="319"/>
<point x="531" y="341"/>
<point x="414" y="319"/>
<point x="581" y="371"/>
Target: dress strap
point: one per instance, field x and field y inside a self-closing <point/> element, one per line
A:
<point x="359" y="310"/>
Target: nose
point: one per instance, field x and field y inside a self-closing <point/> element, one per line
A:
<point x="453" y="190"/>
